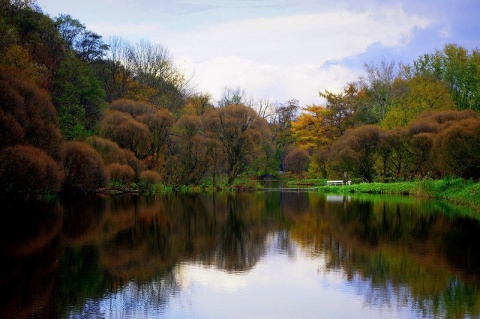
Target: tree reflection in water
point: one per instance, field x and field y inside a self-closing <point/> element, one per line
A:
<point x="120" y="256"/>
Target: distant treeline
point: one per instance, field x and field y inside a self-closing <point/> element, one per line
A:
<point x="78" y="113"/>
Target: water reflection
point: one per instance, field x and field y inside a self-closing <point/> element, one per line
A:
<point x="272" y="254"/>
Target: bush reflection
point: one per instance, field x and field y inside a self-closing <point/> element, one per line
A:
<point x="62" y="260"/>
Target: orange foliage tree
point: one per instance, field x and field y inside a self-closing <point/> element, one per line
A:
<point x="83" y="167"/>
<point x="28" y="115"/>
<point x="126" y="132"/>
<point x="457" y="149"/>
<point x="28" y="171"/>
<point x="111" y="153"/>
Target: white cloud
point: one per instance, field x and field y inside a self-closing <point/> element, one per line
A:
<point x="284" y="57"/>
<point x="278" y="57"/>
<point x="310" y="38"/>
<point x="277" y="83"/>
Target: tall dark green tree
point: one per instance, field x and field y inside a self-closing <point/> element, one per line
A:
<point x="78" y="97"/>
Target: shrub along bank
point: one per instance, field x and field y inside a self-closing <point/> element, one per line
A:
<point x="456" y="191"/>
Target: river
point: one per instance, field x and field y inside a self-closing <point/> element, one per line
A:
<point x="239" y="255"/>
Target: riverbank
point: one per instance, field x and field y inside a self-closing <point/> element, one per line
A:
<point x="456" y="191"/>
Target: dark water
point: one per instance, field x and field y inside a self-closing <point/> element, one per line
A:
<point x="244" y="255"/>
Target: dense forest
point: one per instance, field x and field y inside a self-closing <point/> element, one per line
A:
<point x="79" y="113"/>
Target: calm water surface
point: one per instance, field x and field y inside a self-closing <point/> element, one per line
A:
<point x="243" y="255"/>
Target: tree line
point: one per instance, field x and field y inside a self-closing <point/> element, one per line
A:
<point x="79" y="113"/>
<point x="399" y="121"/>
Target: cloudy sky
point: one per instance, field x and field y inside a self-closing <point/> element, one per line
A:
<point x="281" y="49"/>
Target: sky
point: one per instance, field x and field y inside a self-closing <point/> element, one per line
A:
<point x="278" y="50"/>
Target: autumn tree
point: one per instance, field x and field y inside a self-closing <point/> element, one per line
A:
<point x="111" y="153"/>
<point x="158" y="121"/>
<point x="357" y="151"/>
<point x="457" y="150"/>
<point x="397" y="144"/>
<point x="127" y="132"/>
<point x="38" y="34"/>
<point x="424" y="132"/>
<point x="28" y="115"/>
<point x="160" y="124"/>
<point x="197" y="104"/>
<point x="83" y="168"/>
<point x="17" y="57"/>
<point x="342" y="108"/>
<point x="242" y="135"/>
<point x="297" y="161"/>
<point x="311" y="130"/>
<point x="188" y="161"/>
<point x="27" y="171"/>
<point x="122" y="174"/>
<point x="280" y="123"/>
<point x="419" y="94"/>
<point x="152" y="67"/>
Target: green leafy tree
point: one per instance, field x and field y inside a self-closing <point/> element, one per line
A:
<point x="378" y="86"/>
<point x="79" y="98"/>
<point x="342" y="108"/>
<point x="457" y="67"/>
<point x="419" y="94"/>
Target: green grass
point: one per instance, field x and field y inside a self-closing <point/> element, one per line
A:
<point x="452" y="190"/>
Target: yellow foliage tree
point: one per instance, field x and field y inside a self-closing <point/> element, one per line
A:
<point x="310" y="129"/>
<point x="421" y="94"/>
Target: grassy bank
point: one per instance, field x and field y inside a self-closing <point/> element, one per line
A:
<point x="456" y="191"/>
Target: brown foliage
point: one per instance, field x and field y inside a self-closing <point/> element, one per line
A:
<point x="297" y="160"/>
<point x="457" y="149"/>
<point x="27" y="170"/>
<point x="132" y="107"/>
<point x="357" y="151"/>
<point x="127" y="132"/>
<point x="111" y="153"/>
<point x="426" y="129"/>
<point x="83" y="167"/>
<point x="160" y="124"/>
<point x="149" y="177"/>
<point x="396" y="144"/>
<point x="121" y="173"/>
<point x="18" y="58"/>
<point x="188" y="161"/>
<point x="11" y="132"/>
<point x="27" y="107"/>
<point x="243" y="136"/>
<point x="435" y="121"/>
